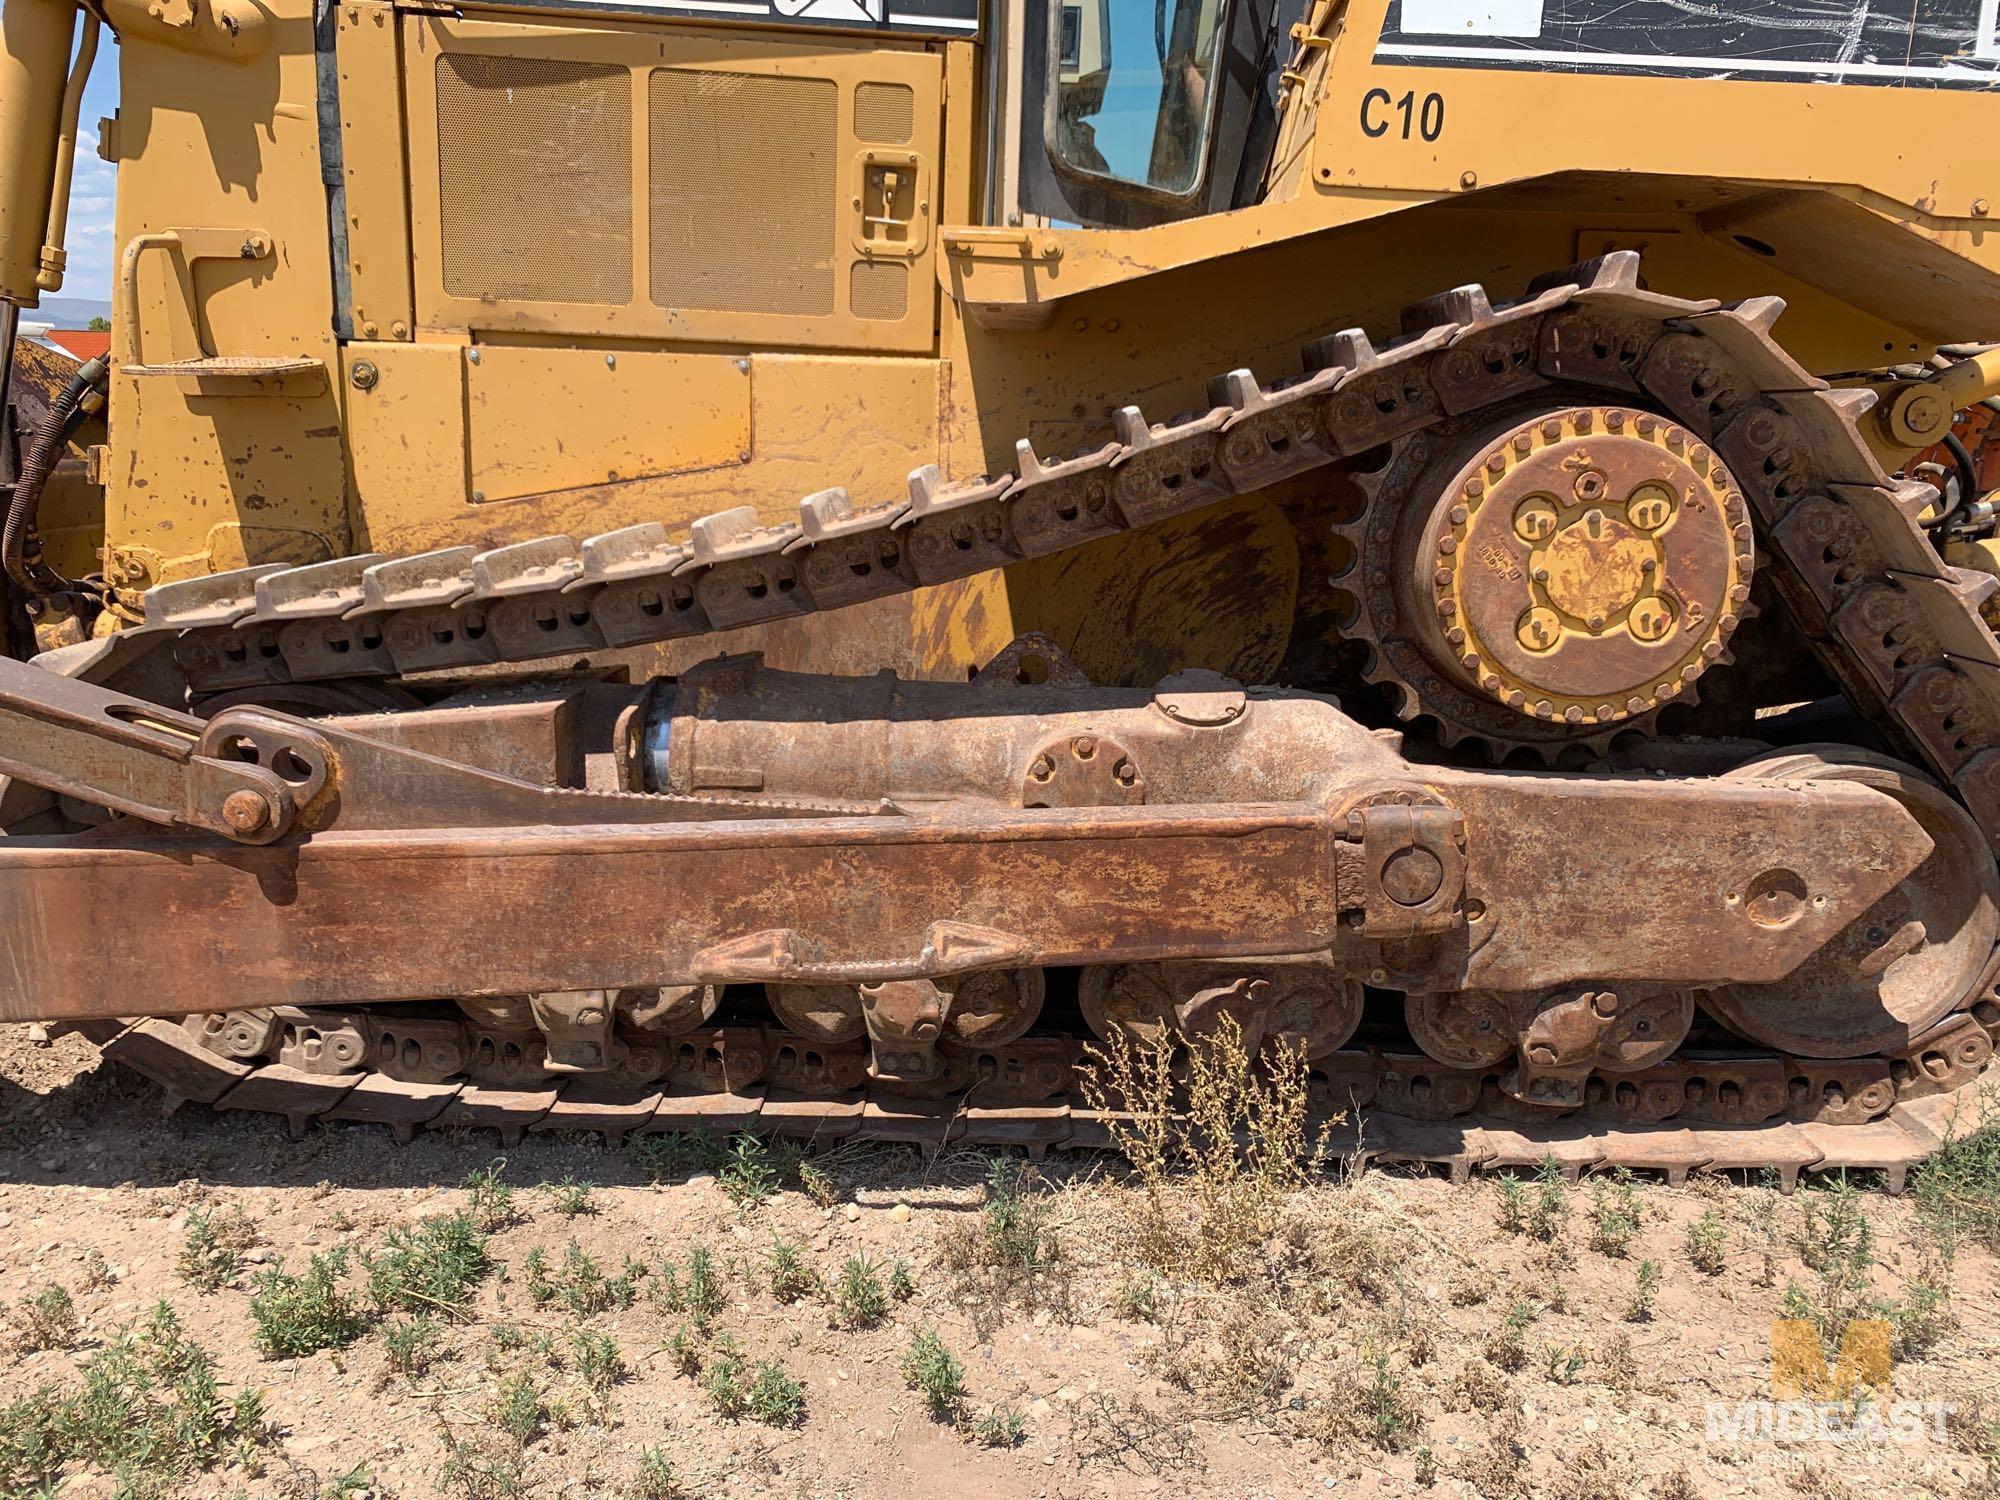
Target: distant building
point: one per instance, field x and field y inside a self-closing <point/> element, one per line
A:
<point x="81" y="343"/>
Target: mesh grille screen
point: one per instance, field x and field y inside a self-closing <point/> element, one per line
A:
<point x="743" y="192"/>
<point x="885" y="113"/>
<point x="879" y="290"/>
<point x="535" y="159"/>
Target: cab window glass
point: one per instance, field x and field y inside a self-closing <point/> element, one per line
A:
<point x="1132" y="88"/>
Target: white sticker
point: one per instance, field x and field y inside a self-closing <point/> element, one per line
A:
<point x="1472" y="17"/>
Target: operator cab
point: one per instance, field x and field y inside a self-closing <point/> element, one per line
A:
<point x="1126" y="113"/>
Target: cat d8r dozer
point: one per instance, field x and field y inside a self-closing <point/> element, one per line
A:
<point x="660" y="565"/>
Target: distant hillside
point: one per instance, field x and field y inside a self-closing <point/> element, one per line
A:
<point x="68" y="312"/>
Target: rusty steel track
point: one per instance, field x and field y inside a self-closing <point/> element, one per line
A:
<point x="1901" y="631"/>
<point x="1708" y="1112"/>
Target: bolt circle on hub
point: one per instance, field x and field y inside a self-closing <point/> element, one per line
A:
<point x="1582" y="566"/>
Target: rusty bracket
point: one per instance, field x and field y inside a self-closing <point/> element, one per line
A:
<point x="781" y="955"/>
<point x="904" y="1018"/>
<point x="577" y="1026"/>
<point x="133" y="757"/>
<point x="253" y="775"/>
<point x="1401" y="867"/>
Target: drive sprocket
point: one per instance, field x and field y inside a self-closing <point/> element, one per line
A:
<point x="1549" y="576"/>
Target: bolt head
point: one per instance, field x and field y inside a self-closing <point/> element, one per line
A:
<point x="245" y="811"/>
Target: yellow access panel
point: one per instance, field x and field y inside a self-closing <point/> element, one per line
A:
<point x="630" y="414"/>
<point x="669" y="184"/>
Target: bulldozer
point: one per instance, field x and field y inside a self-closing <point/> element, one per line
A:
<point x="793" y="565"/>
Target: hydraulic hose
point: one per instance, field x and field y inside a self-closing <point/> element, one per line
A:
<point x="61" y="420"/>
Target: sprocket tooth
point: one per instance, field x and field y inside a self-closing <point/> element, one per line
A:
<point x="1347" y="350"/>
<point x="1130" y="426"/>
<point x="1615" y="271"/>
<point x="1761" y="313"/>
<point x="1236" y="389"/>
<point x="1459" y="307"/>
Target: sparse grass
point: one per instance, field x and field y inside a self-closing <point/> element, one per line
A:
<point x="212" y="1246"/>
<point x="775" y="1397"/>
<point x="46" y="1319"/>
<point x="725" y="1376"/>
<point x="1137" y="1297"/>
<point x="492" y="1206"/>
<point x="684" y="1349"/>
<point x="597" y="1361"/>
<point x="301" y="1314"/>
<point x="934" y="1373"/>
<point x="1958" y="1189"/>
<point x="655" y="1479"/>
<point x="412" y="1344"/>
<point x="518" y="1409"/>
<point x="485" y="1467"/>
<point x="1614" y="1214"/>
<point x="1233" y="1346"/>
<point x="1837" y="1243"/>
<point x="1477" y="1388"/>
<point x="693" y="1289"/>
<point x="748" y="1177"/>
<point x="1507" y="1346"/>
<point x="571" y="1198"/>
<point x="1562" y="1364"/>
<point x="431" y="1268"/>
<point x="1000" y="1427"/>
<point x="149" y="1413"/>
<point x="1370" y="1408"/>
<point x="902" y="1281"/>
<point x="1215" y="1144"/>
<point x="1922" y="1316"/>
<point x="1707" y="1243"/>
<point x="859" y="1298"/>
<point x="674" y="1154"/>
<point x="787" y="1274"/>
<point x="1620" y="1368"/>
<point x="1550" y="1206"/>
<point x="1539" y="1208"/>
<point x="1645" y="1290"/>
<point x="579" y="1284"/>
<point x="1392" y="1416"/>
<point x="1014" y="1224"/>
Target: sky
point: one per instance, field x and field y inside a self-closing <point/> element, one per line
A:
<point x="89" y="240"/>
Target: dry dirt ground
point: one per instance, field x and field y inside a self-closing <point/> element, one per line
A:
<point x="1386" y="1335"/>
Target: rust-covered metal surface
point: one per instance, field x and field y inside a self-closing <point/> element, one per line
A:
<point x="829" y="905"/>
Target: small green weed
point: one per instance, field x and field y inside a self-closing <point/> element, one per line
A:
<point x="787" y="1274"/>
<point x="1000" y="1427"/>
<point x="1707" y="1243"/>
<point x="1614" y="1214"/>
<point x="412" y="1344"/>
<point x="1645" y="1288"/>
<point x="934" y="1372"/>
<point x="431" y="1268"/>
<point x="304" y="1313"/>
<point x="859" y="1298"/>
<point x="46" y="1320"/>
<point x="492" y="1206"/>
<point x="211" y="1254"/>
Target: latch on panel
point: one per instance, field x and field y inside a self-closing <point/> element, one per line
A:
<point x="892" y="204"/>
